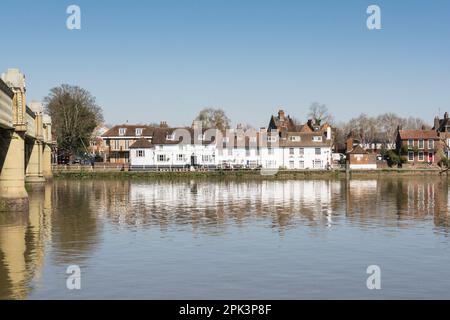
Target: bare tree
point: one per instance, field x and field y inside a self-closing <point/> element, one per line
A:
<point x="319" y="113"/>
<point x="75" y="115"/>
<point x="213" y="118"/>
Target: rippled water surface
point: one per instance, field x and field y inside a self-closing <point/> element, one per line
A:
<point x="230" y="239"/>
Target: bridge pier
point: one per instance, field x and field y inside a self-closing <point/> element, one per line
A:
<point x="13" y="195"/>
<point x="34" y="172"/>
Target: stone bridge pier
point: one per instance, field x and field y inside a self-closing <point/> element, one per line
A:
<point x="25" y="143"/>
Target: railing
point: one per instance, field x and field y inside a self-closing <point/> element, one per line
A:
<point x="6" y="112"/>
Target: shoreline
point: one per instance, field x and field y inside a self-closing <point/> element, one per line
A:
<point x="246" y="174"/>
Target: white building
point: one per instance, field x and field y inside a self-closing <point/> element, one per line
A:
<point x="283" y="145"/>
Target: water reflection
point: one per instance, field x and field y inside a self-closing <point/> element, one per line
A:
<point x="22" y="245"/>
<point x="69" y="220"/>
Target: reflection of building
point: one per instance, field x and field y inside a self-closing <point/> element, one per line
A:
<point x="22" y="242"/>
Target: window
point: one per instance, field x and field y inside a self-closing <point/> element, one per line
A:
<point x="410" y="156"/>
<point x="294" y="138"/>
<point x="410" y="143"/>
<point x="247" y="152"/>
<point x="291" y="164"/>
<point x="127" y="144"/>
<point x="170" y="137"/>
<point x="206" y="158"/>
<point x="272" y="139"/>
<point x="301" y="164"/>
<point x="291" y="151"/>
<point x="162" y="158"/>
<point x="140" y="153"/>
<point x="200" y="137"/>
<point x="271" y="164"/>
<point x="318" y="151"/>
<point x="270" y="151"/>
<point x="122" y="131"/>
<point x="421" y="156"/>
<point x="302" y="151"/>
<point x="317" y="164"/>
<point x="139" y="132"/>
<point x="116" y="144"/>
<point x="180" y="157"/>
<point x="430" y="144"/>
<point x="317" y="138"/>
<point x="421" y="144"/>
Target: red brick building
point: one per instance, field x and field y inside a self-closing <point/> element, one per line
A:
<point x="420" y="147"/>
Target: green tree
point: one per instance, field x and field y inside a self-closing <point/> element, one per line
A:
<point x="75" y="114"/>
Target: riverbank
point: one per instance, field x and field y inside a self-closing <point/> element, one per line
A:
<point x="243" y="174"/>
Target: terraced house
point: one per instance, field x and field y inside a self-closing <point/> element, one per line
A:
<point x="282" y="145"/>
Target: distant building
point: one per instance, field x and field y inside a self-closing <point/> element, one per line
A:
<point x="358" y="157"/>
<point x="421" y="146"/>
<point x="442" y="127"/>
<point x="119" y="138"/>
<point x="282" y="145"/>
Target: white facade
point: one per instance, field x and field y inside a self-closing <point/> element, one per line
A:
<point x="293" y="158"/>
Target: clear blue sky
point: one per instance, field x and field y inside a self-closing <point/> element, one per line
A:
<point x="147" y="61"/>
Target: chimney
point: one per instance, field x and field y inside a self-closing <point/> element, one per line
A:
<point x="281" y="114"/>
<point x="446" y="115"/>
<point x="437" y="123"/>
<point x="329" y="133"/>
<point x="349" y="143"/>
<point x="163" y="124"/>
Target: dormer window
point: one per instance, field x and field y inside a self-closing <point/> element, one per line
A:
<point x="122" y="131"/>
<point x="170" y="137"/>
<point x="201" y="137"/>
<point x="139" y="132"/>
<point x="317" y="138"/>
<point x="294" y="138"/>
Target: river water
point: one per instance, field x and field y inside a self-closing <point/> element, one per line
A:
<point x="195" y="239"/>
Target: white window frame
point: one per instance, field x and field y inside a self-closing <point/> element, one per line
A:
<point x="430" y="144"/>
<point x="122" y="131"/>
<point x="409" y="156"/>
<point x="317" y="138"/>
<point x="421" y="141"/>
<point x="421" y="156"/>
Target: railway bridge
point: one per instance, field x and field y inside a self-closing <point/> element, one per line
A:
<point x="25" y="143"/>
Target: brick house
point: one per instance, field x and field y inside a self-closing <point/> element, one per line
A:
<point x="120" y="137"/>
<point x="420" y="147"/>
<point x="358" y="157"/>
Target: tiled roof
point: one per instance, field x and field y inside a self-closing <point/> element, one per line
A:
<point x="130" y="131"/>
<point x="141" y="144"/>
<point x="418" y="134"/>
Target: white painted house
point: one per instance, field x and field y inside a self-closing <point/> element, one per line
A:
<point x="282" y="145"/>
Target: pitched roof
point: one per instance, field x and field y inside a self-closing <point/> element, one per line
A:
<point x="418" y="134"/>
<point x="141" y="144"/>
<point x="130" y="131"/>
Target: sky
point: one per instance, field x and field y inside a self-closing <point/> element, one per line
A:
<point x="148" y="61"/>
